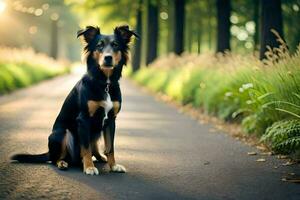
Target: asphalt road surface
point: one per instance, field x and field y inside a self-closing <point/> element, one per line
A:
<point x="167" y="154"/>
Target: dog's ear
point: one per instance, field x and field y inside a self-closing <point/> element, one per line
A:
<point x="125" y="33"/>
<point x="88" y="33"/>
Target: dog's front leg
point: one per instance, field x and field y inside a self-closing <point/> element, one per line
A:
<point x="96" y="153"/>
<point x="85" y="147"/>
<point x="109" y="135"/>
<point x="116" y="107"/>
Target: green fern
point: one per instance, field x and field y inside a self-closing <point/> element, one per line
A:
<point x="289" y="145"/>
<point x="283" y="136"/>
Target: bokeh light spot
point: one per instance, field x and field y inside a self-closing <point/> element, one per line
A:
<point x="248" y="45"/>
<point x="30" y="10"/>
<point x="242" y="35"/>
<point x="296" y="7"/>
<point x="164" y="15"/>
<point x="250" y="27"/>
<point x="54" y="16"/>
<point x="38" y="12"/>
<point x="45" y="6"/>
<point x="234" y="19"/>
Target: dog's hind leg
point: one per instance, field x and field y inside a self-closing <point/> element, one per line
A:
<point x="55" y="141"/>
<point x="61" y="162"/>
<point x="57" y="148"/>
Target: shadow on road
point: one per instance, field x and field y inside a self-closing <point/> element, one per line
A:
<point x="122" y="185"/>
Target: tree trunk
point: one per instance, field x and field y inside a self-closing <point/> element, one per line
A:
<point x="179" y="26"/>
<point x="152" y="33"/>
<point x="199" y="34"/>
<point x="223" y="27"/>
<point x="54" y="40"/>
<point x="256" y="21"/>
<point x="209" y="24"/>
<point x="136" y="60"/>
<point x="199" y="28"/>
<point x="189" y="38"/>
<point x="171" y="25"/>
<point x="271" y="18"/>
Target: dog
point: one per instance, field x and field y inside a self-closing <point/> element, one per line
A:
<point x="91" y="107"/>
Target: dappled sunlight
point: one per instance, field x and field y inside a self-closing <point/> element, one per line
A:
<point x="140" y="115"/>
<point x="41" y="119"/>
<point x="137" y="142"/>
<point x="150" y="159"/>
<point x="127" y="124"/>
<point x="145" y="151"/>
<point x="131" y="120"/>
<point x="14" y="106"/>
<point x="206" y="68"/>
<point x="31" y="136"/>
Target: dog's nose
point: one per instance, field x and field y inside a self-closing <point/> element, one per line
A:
<point x="108" y="60"/>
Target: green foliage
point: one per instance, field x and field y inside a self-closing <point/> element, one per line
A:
<point x="22" y="68"/>
<point x="283" y="136"/>
<point x="232" y="87"/>
<point x="18" y="75"/>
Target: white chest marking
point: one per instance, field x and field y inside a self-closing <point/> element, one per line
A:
<point x="108" y="105"/>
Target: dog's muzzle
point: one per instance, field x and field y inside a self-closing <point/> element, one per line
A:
<point x="108" y="61"/>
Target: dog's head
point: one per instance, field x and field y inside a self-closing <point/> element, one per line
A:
<point x="108" y="51"/>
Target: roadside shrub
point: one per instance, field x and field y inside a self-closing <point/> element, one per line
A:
<point x="283" y="136"/>
<point x="23" y="67"/>
<point x="233" y="87"/>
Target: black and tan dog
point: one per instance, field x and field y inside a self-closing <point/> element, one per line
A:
<point x="91" y="107"/>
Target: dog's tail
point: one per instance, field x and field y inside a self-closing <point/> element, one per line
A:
<point x="29" y="158"/>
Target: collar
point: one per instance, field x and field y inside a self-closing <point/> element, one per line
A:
<point x="108" y="83"/>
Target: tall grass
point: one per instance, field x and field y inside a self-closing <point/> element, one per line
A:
<point x="233" y="87"/>
<point x="23" y="67"/>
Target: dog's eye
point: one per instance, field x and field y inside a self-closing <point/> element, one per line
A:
<point x="100" y="45"/>
<point x="114" y="44"/>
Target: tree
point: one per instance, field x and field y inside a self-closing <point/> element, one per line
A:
<point x="179" y="16"/>
<point x="152" y="32"/>
<point x="54" y="39"/>
<point x="171" y="24"/>
<point x="200" y="23"/>
<point x="291" y="16"/>
<point x="209" y="23"/>
<point x="189" y="28"/>
<point x="256" y="21"/>
<point x="136" y="60"/>
<point x="271" y="18"/>
<point x="223" y="25"/>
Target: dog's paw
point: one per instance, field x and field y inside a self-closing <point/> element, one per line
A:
<point x="91" y="171"/>
<point x="61" y="164"/>
<point x="118" y="168"/>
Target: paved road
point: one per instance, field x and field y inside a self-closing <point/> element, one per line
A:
<point x="167" y="154"/>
